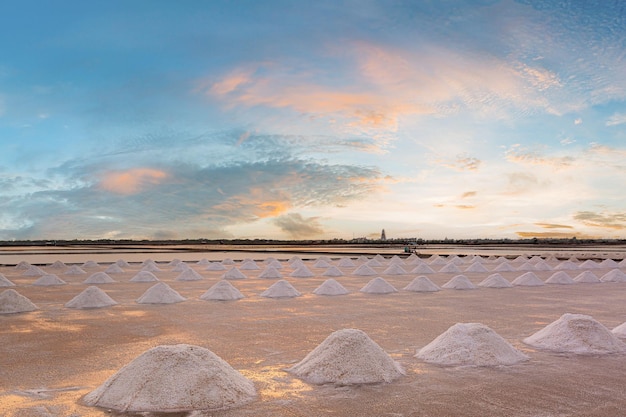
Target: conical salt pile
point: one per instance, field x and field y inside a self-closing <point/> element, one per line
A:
<point x="228" y="261"/>
<point x="173" y="378"/>
<point x="330" y="287"/>
<point x="99" y="278"/>
<point x="560" y="278"/>
<point x="269" y="260"/>
<point x="459" y="282"/>
<point x="476" y="267"/>
<point x="222" y="291"/>
<point x="346" y="263"/>
<point x="394" y="269"/>
<point x="333" y="271"/>
<point x="589" y="264"/>
<point x="151" y="267"/>
<point x="613" y="276"/>
<point x="48" y="280"/>
<point x="13" y="302"/>
<point x="233" y="273"/>
<point x="450" y="268"/>
<point x="495" y="281"/>
<point x="526" y="266"/>
<point x="91" y="297"/>
<point x="364" y="270"/>
<point x="422" y="268"/>
<point x="576" y="333"/>
<point x="529" y="279"/>
<point x="275" y="264"/>
<point x="215" y="266"/>
<point x="203" y="262"/>
<point x="587" y="277"/>
<point x="374" y="263"/>
<point x="438" y="261"/>
<point x="620" y="331"/>
<point x="75" y="270"/>
<point x="302" y="272"/>
<point x="281" y="289"/>
<point x="470" y="344"/>
<point x="144" y="276"/>
<point x="174" y="262"/>
<point x="160" y="293"/>
<point x="57" y="265"/>
<point x="189" y="275"/>
<point x="422" y="284"/>
<point x="91" y="264"/>
<point x="542" y="266"/>
<point x="249" y="265"/>
<point x="122" y="263"/>
<point x="5" y="282"/>
<point x="609" y="263"/>
<point x="567" y="266"/>
<point x="114" y="269"/>
<point x="22" y="265"/>
<point x="34" y="271"/>
<point x="504" y="267"/>
<point x="378" y="286"/>
<point x="180" y="267"/>
<point x="321" y="263"/>
<point x="347" y="357"/>
<point x="270" y="272"/>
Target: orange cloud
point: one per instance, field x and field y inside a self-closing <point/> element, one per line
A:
<point x="131" y="181"/>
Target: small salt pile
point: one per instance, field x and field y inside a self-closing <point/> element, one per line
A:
<point x="275" y="264"/>
<point x="174" y="262"/>
<point x="321" y="263"/>
<point x="228" y="261"/>
<point x="504" y="267"/>
<point x="269" y="260"/>
<point x="394" y="269"/>
<point x="395" y="259"/>
<point x="180" y="267"/>
<point x="379" y="258"/>
<point x="144" y="276"/>
<point x="189" y="275"/>
<point x="281" y="289"/>
<point x="151" y="267"/>
<point x="249" y="265"/>
<point x="91" y="297"/>
<point x="374" y="263"/>
<point x="450" y="268"/>
<point x="560" y="278"/>
<point x="529" y="279"/>
<point x="222" y="291"/>
<point x="622" y="263"/>
<point x="422" y="268"/>
<point x="294" y="259"/>
<point x="173" y="378"/>
<point x="609" y="263"/>
<point x="620" y="331"/>
<point x="587" y="277"/>
<point x="13" y="302"/>
<point x="421" y="284"/>
<point x="576" y="333"/>
<point x="495" y="281"/>
<point x="302" y="272"/>
<point x="215" y="266"/>
<point x="99" y="278"/>
<point x="613" y="276"/>
<point x="346" y="263"/>
<point x="364" y="270"/>
<point x="75" y="270"/>
<point x="333" y="271"/>
<point x="233" y="273"/>
<point x="5" y="282"/>
<point x="526" y="266"/>
<point x="114" y="269"/>
<point x="91" y="264"/>
<point x="23" y="265"/>
<point x="470" y="344"/>
<point x="569" y="266"/>
<point x="378" y="286"/>
<point x="459" y="282"/>
<point x="476" y="267"/>
<point x="438" y="261"/>
<point x="33" y="271"/>
<point x="203" y="262"/>
<point x="58" y="265"/>
<point x="347" y="357"/>
<point x="270" y="272"/>
<point x="122" y="263"/>
<point x="589" y="264"/>
<point x="160" y="293"/>
<point x="542" y="266"/>
<point x="49" y="280"/>
<point x="455" y="260"/>
<point x="330" y="287"/>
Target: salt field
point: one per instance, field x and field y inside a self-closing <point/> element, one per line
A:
<point x="513" y="357"/>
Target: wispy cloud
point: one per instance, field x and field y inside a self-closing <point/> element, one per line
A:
<point x="132" y="181"/>
<point x="298" y="227"/>
<point x="553" y="226"/>
<point x="615" y="221"/>
<point x="524" y="156"/>
<point x="461" y="163"/>
<point x="616" y="119"/>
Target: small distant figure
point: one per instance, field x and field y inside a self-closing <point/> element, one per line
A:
<point x="383" y="236"/>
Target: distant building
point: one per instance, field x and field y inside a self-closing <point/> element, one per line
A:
<point x="383" y="236"/>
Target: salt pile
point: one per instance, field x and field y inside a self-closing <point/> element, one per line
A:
<point x="613" y="276"/>
<point x="270" y="272"/>
<point x="346" y="263"/>
<point x="379" y="258"/>
<point x="215" y="266"/>
<point x="378" y="286"/>
<point x="587" y="277"/>
<point x="99" y="278"/>
<point x="622" y="263"/>
<point x="459" y="282"/>
<point x="294" y="259"/>
<point x="122" y="263"/>
<point x="476" y="267"/>
<point x="173" y="379"/>
<point x="330" y="287"/>
<point x="529" y="279"/>
<point x="542" y="266"/>
<point x="374" y="263"/>
<point x="560" y="278"/>
<point x="394" y="269"/>
<point x="48" y="280"/>
<point x="91" y="264"/>
<point x="450" y="268"/>
<point x="5" y="282"/>
<point x="144" y="276"/>
<point x="222" y="291"/>
<point x="151" y="267"/>
<point x="608" y="263"/>
<point x="33" y="271"/>
<point x="269" y="260"/>
<point x="347" y="357"/>
<point x="13" y="302"/>
<point x="568" y="266"/>
<point x="438" y="261"/>
<point x="57" y="265"/>
<point x="91" y="297"/>
<point x="321" y="263"/>
<point x="228" y="261"/>
<point x="114" y="269"/>
<point x="526" y="266"/>
<point x="495" y="281"/>
<point x="333" y="271"/>
<point x="174" y="262"/>
<point x="22" y="265"/>
<point x="504" y="267"/>
<point x="589" y="264"/>
<point x="249" y="265"/>
<point x="422" y="284"/>
<point x="395" y="259"/>
<point x="302" y="272"/>
<point x="203" y="262"/>
<point x="233" y="273"/>
<point x="422" y="268"/>
<point x="160" y="293"/>
<point x="281" y="289"/>
<point x="364" y="270"/>
<point x="189" y="275"/>
<point x="180" y="267"/>
<point x="75" y="270"/>
<point x="620" y="331"/>
<point x="576" y="333"/>
<point x="470" y="344"/>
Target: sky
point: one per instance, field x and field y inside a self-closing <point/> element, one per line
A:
<point x="152" y="119"/>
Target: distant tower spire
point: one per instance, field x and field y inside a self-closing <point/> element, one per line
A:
<point x="383" y="236"/>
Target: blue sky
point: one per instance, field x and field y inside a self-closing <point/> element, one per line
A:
<point x="329" y="119"/>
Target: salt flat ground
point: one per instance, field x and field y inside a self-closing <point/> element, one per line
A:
<point x="50" y="358"/>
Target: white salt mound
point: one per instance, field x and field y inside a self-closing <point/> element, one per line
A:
<point x="228" y="261"/>
<point x="33" y="271"/>
<point x="222" y="291"/>
<point x="330" y="287"/>
<point x="347" y="357"/>
<point x="215" y="266"/>
<point x="173" y="379"/>
<point x="333" y="271"/>
<point x="302" y="272"/>
<point x="58" y="265"/>
<point x="122" y="263"/>
<point x="450" y="268"/>
<point x="281" y="289"/>
<point x="151" y="267"/>
<point x="589" y="264"/>
<point x="560" y="278"/>
<point x="529" y="279"/>
<point x="48" y="280"/>
<point x="189" y="275"/>
<point x="495" y="281"/>
<point x="378" y="286"/>
<point x="394" y="269"/>
<point x="75" y="270"/>
<point x="568" y="266"/>
<point x="476" y="267"/>
<point x="160" y="293"/>
<point x="576" y="333"/>
<point x="91" y="297"/>
<point x="505" y="266"/>
<point x="459" y="282"/>
<point x="233" y="273"/>
<point x="22" y="265"/>
<point x="13" y="302"/>
<point x="91" y="264"/>
<point x="346" y="263"/>
<point x="613" y="276"/>
<point x="99" y="278"/>
<point x="587" y="277"/>
<point x="374" y="263"/>
<point x="620" y="331"/>
<point x="364" y="270"/>
<point x="421" y="284"/>
<point x="180" y="267"/>
<point x="470" y="344"/>
<point x="321" y="263"/>
<point x="114" y="269"/>
<point x="270" y="272"/>
<point x="422" y="268"/>
<point x="144" y="276"/>
<point x="5" y="282"/>
<point x="249" y="266"/>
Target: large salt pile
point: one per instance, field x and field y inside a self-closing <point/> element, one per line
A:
<point x="114" y="269"/>
<point x="421" y="284"/>
<point x="495" y="281"/>
<point x="222" y="291"/>
<point x="587" y="277"/>
<point x="270" y="272"/>
<point x="189" y="275"/>
<point x="378" y="286"/>
<point x="470" y="344"/>
<point x="302" y="272"/>
<point x="160" y="293"/>
<point x="99" y="278"/>
<point x="347" y="357"/>
<point x="330" y="287"/>
<point x="144" y="276"/>
<point x="609" y="263"/>
<point x="422" y="268"/>
<point x="91" y="297"/>
<point x="173" y="378"/>
<point x="5" y="282"/>
<point x="13" y="302"/>
<point x="459" y="282"/>
<point x="333" y="271"/>
<point x="49" y="280"/>
<point x="75" y="270"/>
<point x="542" y="266"/>
<point x="576" y="333"/>
<point x="561" y="278"/>
<point x="529" y="279"/>
<point x="364" y="270"/>
<point x="215" y="266"/>
<point x="613" y="276"/>
<point x="394" y="269"/>
<point x="589" y="264"/>
<point x="233" y="273"/>
<point x="281" y="289"/>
